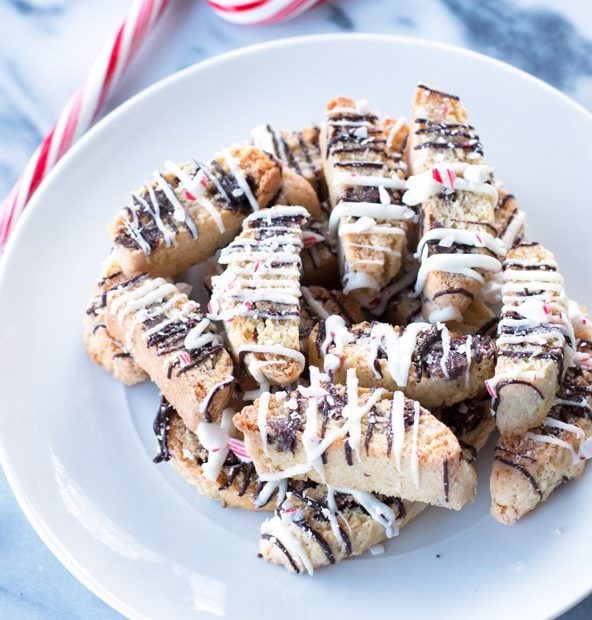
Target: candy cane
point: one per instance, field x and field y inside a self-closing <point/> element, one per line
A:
<point x="83" y="108"/>
<point x="259" y="12"/>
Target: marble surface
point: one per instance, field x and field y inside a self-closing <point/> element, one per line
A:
<point x="46" y="46"/>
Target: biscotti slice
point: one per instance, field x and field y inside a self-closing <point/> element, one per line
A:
<point x="396" y="131"/>
<point x="427" y="362"/>
<point x="217" y="473"/>
<point x="102" y="348"/>
<point x="257" y="297"/>
<point x="296" y="190"/>
<point x="183" y="215"/>
<point x="318" y="303"/>
<point x="458" y="242"/>
<point x="527" y="468"/>
<point x="297" y="149"/>
<point x="510" y="220"/>
<point x="323" y="525"/>
<point x="535" y="339"/>
<point x="365" y="183"/>
<point x="171" y="340"/>
<point x="357" y="438"/>
<point x="318" y="525"/>
<point x="320" y="264"/>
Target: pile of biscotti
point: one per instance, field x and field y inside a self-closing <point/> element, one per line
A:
<point x="375" y="311"/>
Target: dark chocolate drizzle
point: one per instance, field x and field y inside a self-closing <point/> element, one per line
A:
<point x="520" y="468"/>
<point x="161" y="427"/>
<point x="278" y="543"/>
<point x="446" y="480"/>
<point x="320" y="540"/>
<point x="438" y="92"/>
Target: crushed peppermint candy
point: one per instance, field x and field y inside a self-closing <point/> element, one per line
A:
<point x="237" y="447"/>
<point x="445" y="176"/>
<point x="184" y="358"/>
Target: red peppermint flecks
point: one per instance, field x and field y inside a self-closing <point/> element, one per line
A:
<point x="189" y="195"/>
<point x="184" y="358"/>
<point x="490" y="389"/>
<point x="444" y="176"/>
<point x="309" y="239"/>
<point x="479" y="239"/>
<point x="249" y="305"/>
<point x="238" y="448"/>
<point x="210" y="307"/>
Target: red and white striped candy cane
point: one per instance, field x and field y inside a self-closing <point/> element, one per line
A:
<point x="259" y="12"/>
<point x="82" y="109"/>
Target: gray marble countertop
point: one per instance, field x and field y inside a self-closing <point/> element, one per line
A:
<point x="46" y="47"/>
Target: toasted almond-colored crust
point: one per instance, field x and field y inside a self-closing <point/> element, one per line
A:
<point x="431" y="390"/>
<point x="108" y="352"/>
<point x="296" y="190"/>
<point x="320" y="265"/>
<point x="233" y="289"/>
<point x="523" y="398"/>
<point x="371" y="256"/>
<point x="298" y="150"/>
<point x="99" y="344"/>
<point x="478" y="319"/>
<point x="464" y="210"/>
<point x="200" y="391"/>
<point x="397" y="133"/>
<point x="317" y="303"/>
<point x="264" y="175"/>
<point x="445" y="478"/>
<point x="237" y="485"/>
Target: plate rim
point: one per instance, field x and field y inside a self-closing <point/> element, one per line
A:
<point x="31" y="512"/>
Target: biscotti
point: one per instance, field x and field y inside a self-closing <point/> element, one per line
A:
<point x="455" y="189"/>
<point x="357" y="438"/>
<point x="365" y="182"/>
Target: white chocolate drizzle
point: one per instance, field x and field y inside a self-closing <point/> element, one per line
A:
<point x="338" y="336"/>
<point x="196" y="189"/>
<point x="379" y="511"/>
<point x="241" y="179"/>
<point x="464" y="264"/>
<point x="414" y="437"/>
<point x="310" y="434"/>
<point x="295" y="549"/>
<point x="447" y="178"/>
<point x="397" y="425"/>
<point x="267" y="491"/>
<point x="214" y="439"/>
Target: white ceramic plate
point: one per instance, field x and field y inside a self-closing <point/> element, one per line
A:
<point x="77" y="447"/>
